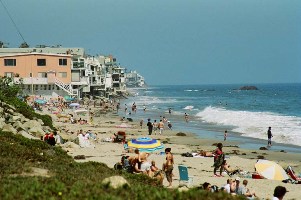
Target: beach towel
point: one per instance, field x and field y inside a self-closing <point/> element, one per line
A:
<point x="219" y="160"/>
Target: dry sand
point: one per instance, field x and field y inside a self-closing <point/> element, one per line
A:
<point x="200" y="168"/>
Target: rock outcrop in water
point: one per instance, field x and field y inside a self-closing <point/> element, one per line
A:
<point x="248" y="88"/>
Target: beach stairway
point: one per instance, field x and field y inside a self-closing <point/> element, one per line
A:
<point x="184" y="177"/>
<point x="66" y="87"/>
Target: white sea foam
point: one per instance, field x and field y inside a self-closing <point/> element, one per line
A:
<point x="188" y="108"/>
<point x="148" y="100"/>
<point x="188" y="90"/>
<point x="285" y="129"/>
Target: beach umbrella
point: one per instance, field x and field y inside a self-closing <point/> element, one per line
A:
<point x="270" y="170"/>
<point x="40" y="101"/>
<point x="145" y="144"/>
<point x="74" y="104"/>
<point x="68" y="98"/>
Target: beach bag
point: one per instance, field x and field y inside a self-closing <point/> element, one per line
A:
<point x="219" y="160"/>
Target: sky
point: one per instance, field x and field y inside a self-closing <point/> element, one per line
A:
<point x="171" y="42"/>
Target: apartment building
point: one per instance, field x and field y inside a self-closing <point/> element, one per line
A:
<point x="52" y="71"/>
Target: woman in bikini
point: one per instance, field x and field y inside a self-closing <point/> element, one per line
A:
<point x="168" y="166"/>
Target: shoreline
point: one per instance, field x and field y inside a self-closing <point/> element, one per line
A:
<point x="245" y="142"/>
<point x="201" y="168"/>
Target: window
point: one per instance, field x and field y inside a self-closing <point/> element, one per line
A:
<point x="45" y="87"/>
<point x="42" y="74"/>
<point x="62" y="74"/>
<point x="62" y="62"/>
<point x="41" y="62"/>
<point x="9" y="74"/>
<point x="10" y="62"/>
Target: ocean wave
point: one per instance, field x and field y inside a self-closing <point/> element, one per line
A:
<point x="285" y="129"/>
<point x="148" y="100"/>
<point x="188" y="108"/>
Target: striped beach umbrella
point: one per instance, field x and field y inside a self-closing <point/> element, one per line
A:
<point x="270" y="170"/>
<point x="145" y="144"/>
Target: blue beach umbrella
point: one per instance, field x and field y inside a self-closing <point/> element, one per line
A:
<point x="146" y="144"/>
<point x="40" y="101"/>
<point x="74" y="105"/>
<point x="68" y="98"/>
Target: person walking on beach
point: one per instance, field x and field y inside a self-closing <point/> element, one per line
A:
<point x="270" y="136"/>
<point x="168" y="166"/>
<point x="150" y="127"/>
<point x="161" y="127"/>
<point x="141" y="123"/>
<point x="155" y="126"/>
<point x="225" y="135"/>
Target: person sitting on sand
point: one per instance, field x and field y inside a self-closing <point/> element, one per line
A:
<point x="227" y="168"/>
<point x="227" y="186"/>
<point x="143" y="164"/>
<point x="155" y="172"/>
<point x="245" y="191"/>
<point x="205" y="153"/>
<point x="133" y="161"/>
<point x="207" y="186"/>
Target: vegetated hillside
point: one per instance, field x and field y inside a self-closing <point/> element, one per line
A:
<point x="31" y="169"/>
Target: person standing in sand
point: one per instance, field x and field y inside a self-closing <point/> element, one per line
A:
<point x="218" y="160"/>
<point x="150" y="127"/>
<point x="168" y="166"/>
<point x="161" y="127"/>
<point x="155" y="126"/>
<point x="270" y="136"/>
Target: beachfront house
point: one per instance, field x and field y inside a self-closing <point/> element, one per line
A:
<point x="53" y="71"/>
<point x="134" y="79"/>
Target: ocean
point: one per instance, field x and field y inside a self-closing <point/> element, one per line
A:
<point x="212" y="109"/>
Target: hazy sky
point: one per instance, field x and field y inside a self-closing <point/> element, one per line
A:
<point x="171" y="41"/>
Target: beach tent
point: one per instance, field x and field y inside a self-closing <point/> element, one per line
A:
<point x="145" y="144"/>
<point x="270" y="170"/>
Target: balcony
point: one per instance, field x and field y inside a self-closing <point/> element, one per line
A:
<point x="33" y="80"/>
<point x="81" y="81"/>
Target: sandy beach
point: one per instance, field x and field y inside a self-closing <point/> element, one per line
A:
<point x="199" y="167"/>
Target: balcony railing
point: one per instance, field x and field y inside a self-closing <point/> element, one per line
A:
<point x="33" y="80"/>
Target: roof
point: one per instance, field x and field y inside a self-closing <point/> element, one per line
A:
<point x="33" y="53"/>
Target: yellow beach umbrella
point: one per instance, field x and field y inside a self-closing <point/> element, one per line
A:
<point x="270" y="170"/>
<point x="145" y="144"/>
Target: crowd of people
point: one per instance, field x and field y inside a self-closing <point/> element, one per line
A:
<point x="139" y="163"/>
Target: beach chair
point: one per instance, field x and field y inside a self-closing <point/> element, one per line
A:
<point x="289" y="170"/>
<point x="184" y="177"/>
